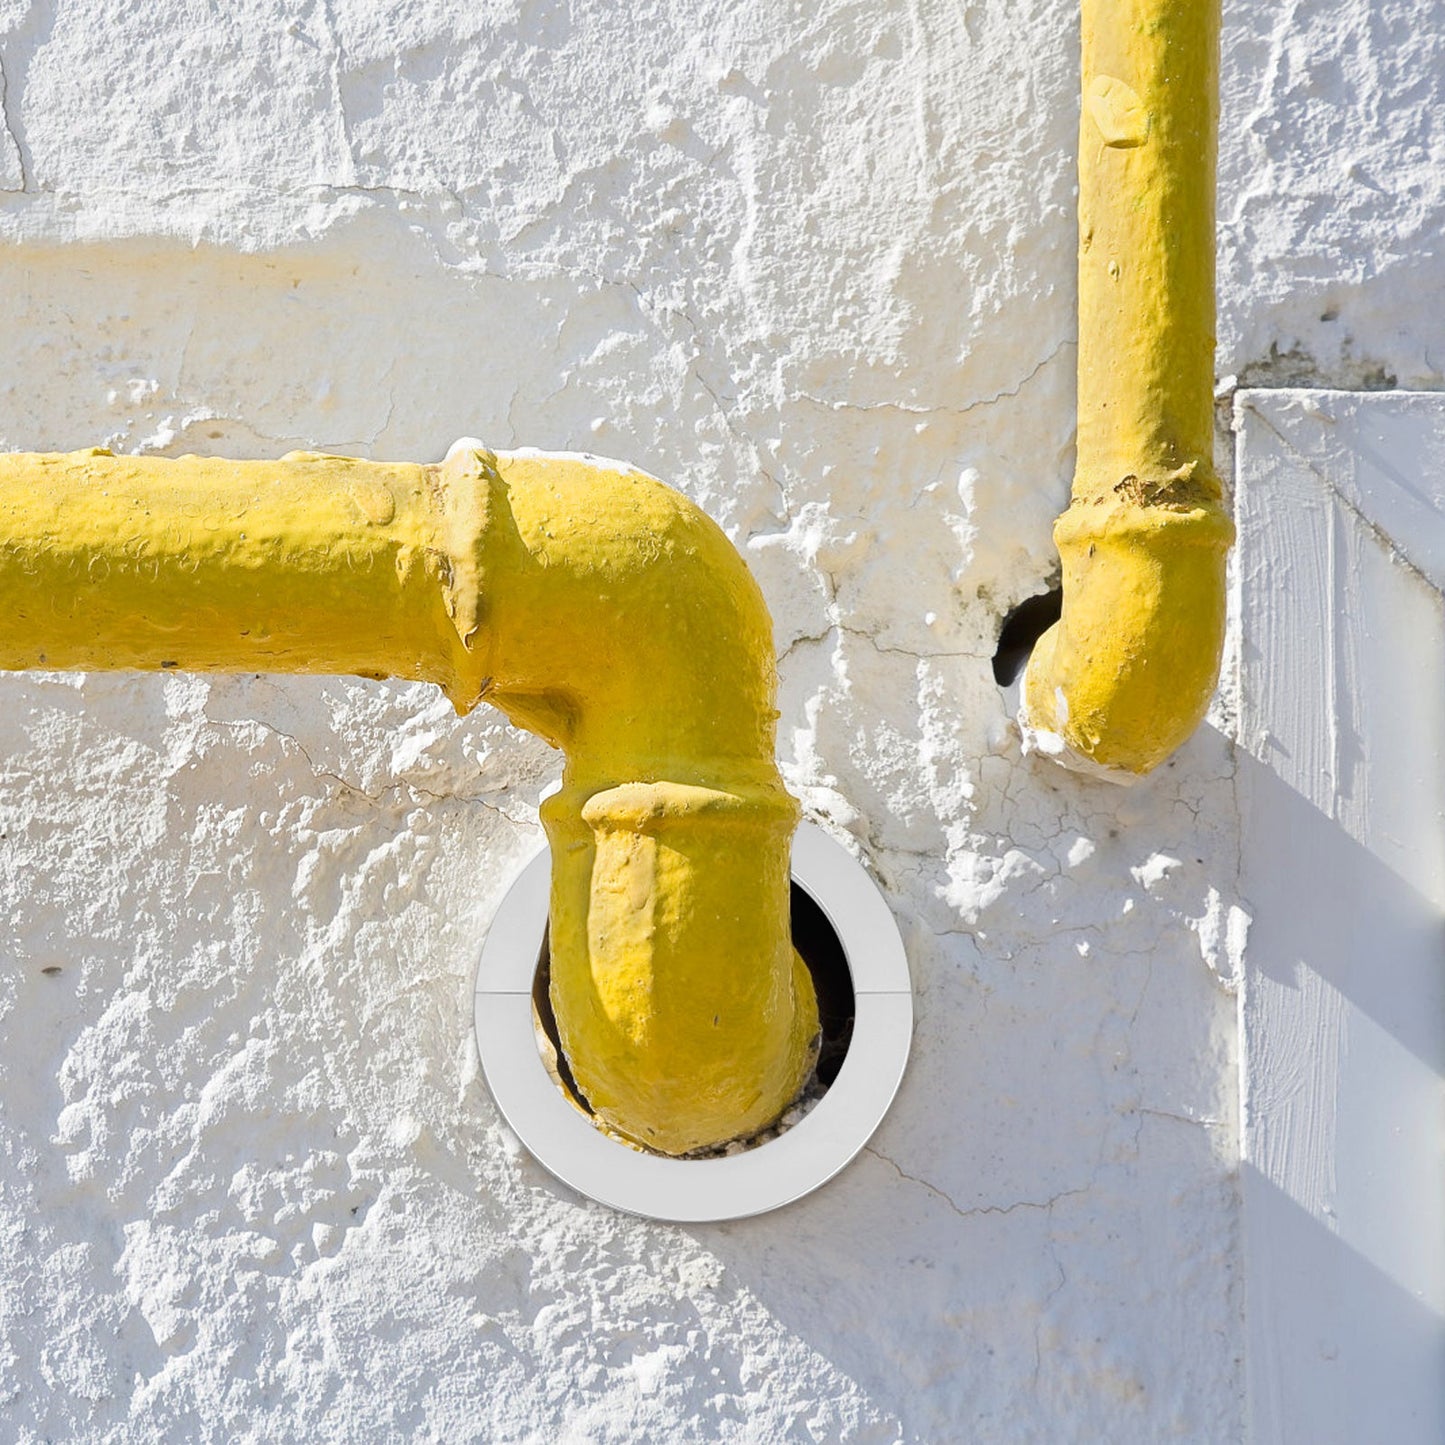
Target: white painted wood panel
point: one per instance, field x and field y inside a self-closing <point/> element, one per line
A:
<point x="1339" y="570"/>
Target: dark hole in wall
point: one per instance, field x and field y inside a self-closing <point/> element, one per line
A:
<point x="547" y="1020"/>
<point x="819" y="947"/>
<point x="1021" y="629"/>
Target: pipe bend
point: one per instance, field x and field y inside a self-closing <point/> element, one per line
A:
<point x="1126" y="674"/>
<point x="623" y="626"/>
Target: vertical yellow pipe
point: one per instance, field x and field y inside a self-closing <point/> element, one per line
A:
<point x="1126" y="674"/>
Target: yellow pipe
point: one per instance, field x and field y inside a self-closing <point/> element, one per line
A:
<point x="1126" y="674"/>
<point x="592" y="605"/>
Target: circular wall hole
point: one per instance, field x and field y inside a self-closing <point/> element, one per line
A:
<point x="846" y="934"/>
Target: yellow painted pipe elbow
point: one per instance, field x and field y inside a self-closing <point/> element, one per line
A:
<point x="589" y="602"/>
<point x="640" y="644"/>
<point x="1126" y="674"/>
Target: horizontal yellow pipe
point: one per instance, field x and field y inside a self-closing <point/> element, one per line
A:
<point x="592" y="605"/>
<point x="1126" y="674"/>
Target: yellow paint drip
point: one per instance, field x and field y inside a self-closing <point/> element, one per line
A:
<point x="594" y="606"/>
<point x="1127" y="673"/>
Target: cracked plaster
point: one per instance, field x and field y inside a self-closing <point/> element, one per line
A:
<point x="12" y="158"/>
<point x="815" y="267"/>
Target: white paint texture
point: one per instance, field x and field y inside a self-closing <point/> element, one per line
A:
<point x="1341" y="506"/>
<point x="814" y="264"/>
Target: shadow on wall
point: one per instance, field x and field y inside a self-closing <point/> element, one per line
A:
<point x="999" y="1295"/>
<point x="1338" y="881"/>
<point x="1388" y="1313"/>
<point x="1344" y="1051"/>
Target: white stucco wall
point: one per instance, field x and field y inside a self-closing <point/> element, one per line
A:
<point x="814" y="265"/>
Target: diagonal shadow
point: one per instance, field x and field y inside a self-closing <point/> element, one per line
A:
<point x="1359" y="926"/>
<point x="1375" y="1373"/>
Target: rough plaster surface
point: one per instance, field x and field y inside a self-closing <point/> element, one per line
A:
<point x="813" y="265"/>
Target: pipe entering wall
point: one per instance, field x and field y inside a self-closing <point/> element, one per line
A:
<point x="593" y="606"/>
<point x="1126" y="674"/>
